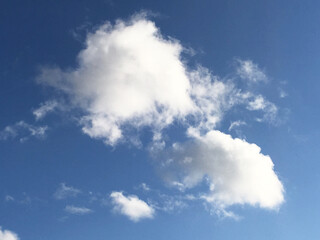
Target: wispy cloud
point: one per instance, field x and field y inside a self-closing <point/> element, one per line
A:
<point x="65" y="191"/>
<point x="131" y="206"/>
<point x="9" y="198"/>
<point x="22" y="199"/>
<point x="77" y="210"/>
<point x="282" y="93"/>
<point x="145" y="187"/>
<point x="250" y="71"/>
<point x="23" y="131"/>
<point x="171" y="203"/>
<point x="44" y="109"/>
<point x="270" y="110"/>
<point x="236" y="124"/>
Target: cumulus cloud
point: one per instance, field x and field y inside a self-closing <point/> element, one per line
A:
<point x="65" y="191"/>
<point x="77" y="210"/>
<point x="23" y="131"/>
<point x="127" y="73"/>
<point x="129" y="76"/>
<point x="44" y="109"/>
<point x="250" y="71"/>
<point x="131" y="206"/>
<point x="8" y="235"/>
<point x="237" y="171"/>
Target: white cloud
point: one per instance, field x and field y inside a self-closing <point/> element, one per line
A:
<point x="8" y="235"/>
<point x="258" y="104"/>
<point x="77" y="210"/>
<point x="237" y="172"/>
<point x="128" y="73"/>
<point x="269" y="109"/>
<point x="236" y="124"/>
<point x="129" y="76"/>
<point x="65" y="191"/>
<point x="44" y="109"/>
<point x="23" y="131"/>
<point x="250" y="71"/>
<point x="212" y="97"/>
<point x="131" y="206"/>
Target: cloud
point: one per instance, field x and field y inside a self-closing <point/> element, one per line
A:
<point x="44" y="109"/>
<point x="77" y="210"/>
<point x="270" y="110"/>
<point x="131" y="206"/>
<point x="8" y="235"/>
<point x="23" y="131"/>
<point x="282" y="93"/>
<point x="145" y="187"/>
<point x="172" y="204"/>
<point x="129" y="76"/>
<point x="25" y="199"/>
<point x="250" y="71"/>
<point x="128" y="73"/>
<point x="236" y="124"/>
<point x="65" y="191"/>
<point x="9" y="198"/>
<point x="213" y="97"/>
<point x="237" y="171"/>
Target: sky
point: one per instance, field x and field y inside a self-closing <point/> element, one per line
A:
<point x="159" y="119"/>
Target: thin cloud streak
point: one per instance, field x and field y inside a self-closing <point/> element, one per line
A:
<point x="65" y="191"/>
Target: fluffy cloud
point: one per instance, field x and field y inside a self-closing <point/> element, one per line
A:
<point x="127" y="73"/>
<point x="8" y="235"/>
<point x="77" y="210"/>
<point x="131" y="206"/>
<point x="237" y="171"/>
<point x="23" y="131"/>
<point x="129" y="76"/>
<point x="65" y="191"/>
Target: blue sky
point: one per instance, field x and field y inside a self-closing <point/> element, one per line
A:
<point x="159" y="120"/>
